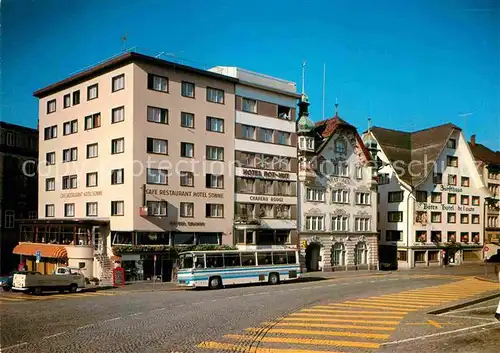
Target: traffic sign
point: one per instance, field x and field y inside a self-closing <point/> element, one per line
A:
<point x="38" y="256"/>
<point x="486" y="249"/>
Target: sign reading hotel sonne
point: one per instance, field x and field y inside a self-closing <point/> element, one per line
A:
<point x="69" y="195"/>
<point x="201" y="194"/>
<point x="266" y="174"/>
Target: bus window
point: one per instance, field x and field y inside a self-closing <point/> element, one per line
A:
<point x="264" y="258"/>
<point x="232" y="260"/>
<point x="215" y="260"/>
<point x="292" y="259"/>
<point x="200" y="261"/>
<point x="248" y="259"/>
<point x="279" y="258"/>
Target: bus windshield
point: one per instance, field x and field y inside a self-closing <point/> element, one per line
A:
<point x="186" y="261"/>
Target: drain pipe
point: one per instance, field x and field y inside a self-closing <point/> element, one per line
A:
<point x="408" y="222"/>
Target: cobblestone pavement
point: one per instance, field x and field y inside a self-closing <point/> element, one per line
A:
<point x="358" y="314"/>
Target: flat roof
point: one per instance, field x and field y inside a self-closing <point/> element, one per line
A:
<point x="119" y="61"/>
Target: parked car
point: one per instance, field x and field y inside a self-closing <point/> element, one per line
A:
<point x="6" y="281"/>
<point x="64" y="278"/>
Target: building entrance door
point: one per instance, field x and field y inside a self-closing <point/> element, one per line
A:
<point x="313" y="257"/>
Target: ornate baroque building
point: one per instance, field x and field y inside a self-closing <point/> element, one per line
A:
<point x="337" y="196"/>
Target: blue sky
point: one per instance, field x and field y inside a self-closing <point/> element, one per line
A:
<point x="407" y="64"/>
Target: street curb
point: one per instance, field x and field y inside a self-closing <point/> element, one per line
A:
<point x="486" y="280"/>
<point x="463" y="305"/>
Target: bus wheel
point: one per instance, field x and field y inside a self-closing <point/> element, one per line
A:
<point x="274" y="278"/>
<point x="215" y="282"/>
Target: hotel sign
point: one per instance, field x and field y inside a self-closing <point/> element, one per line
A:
<point x="187" y="224"/>
<point x="200" y="194"/>
<point x="440" y="207"/>
<point x="285" y="200"/>
<point x="70" y="195"/>
<point x="265" y="174"/>
<point x="451" y="188"/>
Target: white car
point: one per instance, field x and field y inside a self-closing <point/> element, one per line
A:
<point x="64" y="278"/>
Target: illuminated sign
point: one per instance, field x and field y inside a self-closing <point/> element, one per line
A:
<point x="200" y="194"/>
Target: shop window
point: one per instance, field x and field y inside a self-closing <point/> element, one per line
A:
<point x="433" y="256"/>
<point x="402" y="255"/>
<point x="419" y="256"/>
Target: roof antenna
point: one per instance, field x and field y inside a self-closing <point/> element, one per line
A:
<point x="303" y="76"/>
<point x="124" y="43"/>
<point x="336" y="107"/>
<point x="369" y="124"/>
<point x="324" y="88"/>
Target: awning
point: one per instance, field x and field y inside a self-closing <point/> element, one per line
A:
<point x="46" y="250"/>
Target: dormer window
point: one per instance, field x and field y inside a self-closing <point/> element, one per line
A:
<point x="306" y="143"/>
<point x="340" y="146"/>
<point x="452" y="143"/>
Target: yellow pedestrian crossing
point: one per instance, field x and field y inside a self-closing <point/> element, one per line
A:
<point x="360" y="324"/>
<point x="10" y="298"/>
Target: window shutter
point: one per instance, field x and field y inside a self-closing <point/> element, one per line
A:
<point x="150" y="144"/>
<point x="150" y="81"/>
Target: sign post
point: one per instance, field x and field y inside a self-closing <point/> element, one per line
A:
<point x="154" y="272"/>
<point x="38" y="255"/>
<point x="443" y="256"/>
<point x="485" y="250"/>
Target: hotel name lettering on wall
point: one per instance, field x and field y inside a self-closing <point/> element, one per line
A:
<point x="433" y="207"/>
<point x="267" y="198"/>
<point x="187" y="224"/>
<point x="265" y="174"/>
<point x="69" y="195"/>
<point x="451" y="188"/>
<point x="200" y="194"/>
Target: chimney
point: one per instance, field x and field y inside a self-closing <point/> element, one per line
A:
<point x="473" y="140"/>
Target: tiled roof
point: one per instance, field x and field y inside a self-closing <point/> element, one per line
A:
<point x="483" y="153"/>
<point x="413" y="153"/>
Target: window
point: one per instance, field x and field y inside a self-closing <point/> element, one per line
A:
<point x="452" y="236"/>
<point x="266" y="135"/>
<point x="187" y="149"/>
<point x="76" y="97"/>
<point x="187" y="209"/>
<point x="437" y="178"/>
<point x="215" y="124"/>
<point x="187" y="179"/>
<point x="118" y="145"/>
<point x="245" y="185"/>
<point x="436" y="197"/>
<point x="215" y="95"/>
<point x="383" y="179"/>
<point x="70" y="127"/>
<point x="69" y="210"/>
<point x="283" y="188"/>
<point x="117" y="176"/>
<point x="283" y="138"/>
<point x="464" y="237"/>
<point x="67" y="100"/>
<point x="402" y="255"/>
<point x="91" y="209"/>
<point x="421" y="217"/>
<point x="249" y="105"/>
<point x="69" y="182"/>
<point x="70" y="154"/>
<point x="315" y="223"/>
<point x="360" y="254"/>
<point x="475" y="219"/>
<point x="340" y="196"/>
<point x="452" y="198"/>
<point x="91" y="179"/>
<point x="92" y="121"/>
<point x="452" y="161"/>
<point x="215" y="153"/>
<point x="340" y="223"/>
<point x="452" y="143"/>
<point x="157" y="208"/>
<point x="282" y="163"/>
<point x="50" y="184"/>
<point x="395" y="196"/>
<point x="315" y="195"/>
<point x="395" y="216"/>
<point x="341" y="169"/>
<point x="248" y="132"/>
<point x="436" y="217"/>
<point x="340" y="146"/>
<point x="452" y="179"/>
<point x="464" y="218"/>
<point x="421" y="196"/>
<point x="50" y="132"/>
<point x="213" y="181"/>
<point x="359" y="172"/>
<point x="10" y="217"/>
<point x="362" y="198"/>
<point x="117" y="115"/>
<point x="157" y="115"/>
<point x="476" y="201"/>
<point x="11" y="139"/>
<point x="452" y="217"/>
<point x="464" y="199"/>
<point x="361" y="224"/>
<point x="51" y="106"/>
<point x="92" y="150"/>
<point x="475" y="237"/>
<point x="465" y="181"/>
<point x="419" y="256"/>
<point x="214" y="210"/>
<point x="158" y="83"/>
<point x="393" y="235"/>
<point x="187" y="120"/>
<point x="50" y="210"/>
<point x="266" y="211"/>
<point x="283" y="211"/>
<point x="338" y="254"/>
<point x="157" y="146"/>
<point x="433" y="256"/>
<point x="92" y="92"/>
<point x="117" y="208"/>
<point x="50" y="158"/>
<point x="118" y="83"/>
<point x="157" y="176"/>
<point x="187" y="89"/>
<point x="248" y="159"/>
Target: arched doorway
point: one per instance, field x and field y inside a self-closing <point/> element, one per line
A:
<point x="361" y="254"/>
<point x="338" y="255"/>
<point x="313" y="251"/>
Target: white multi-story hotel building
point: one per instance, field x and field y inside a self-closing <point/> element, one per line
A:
<point x="337" y="196"/>
<point x="431" y="196"/>
<point x="265" y="160"/>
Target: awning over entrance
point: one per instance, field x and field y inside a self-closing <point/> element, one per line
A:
<point x="46" y="250"/>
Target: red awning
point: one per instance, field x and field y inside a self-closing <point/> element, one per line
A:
<point x="46" y="250"/>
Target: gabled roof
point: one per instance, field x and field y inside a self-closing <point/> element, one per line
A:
<point x="325" y="129"/>
<point x="410" y="150"/>
<point x="483" y="153"/>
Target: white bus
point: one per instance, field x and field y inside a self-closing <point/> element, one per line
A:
<point x="215" y="269"/>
